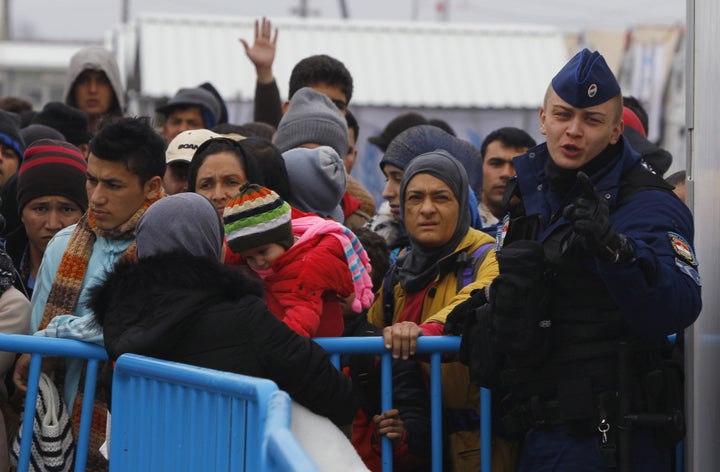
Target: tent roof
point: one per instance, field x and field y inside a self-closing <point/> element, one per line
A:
<point x="393" y="64"/>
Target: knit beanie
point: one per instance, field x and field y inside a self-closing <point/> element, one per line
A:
<point x="32" y="133"/>
<point x="10" y="132"/>
<point x="426" y="138"/>
<point x="257" y="216"/>
<point x="312" y="118"/>
<point x="70" y="121"/>
<point x="317" y="180"/>
<point x="52" y="167"/>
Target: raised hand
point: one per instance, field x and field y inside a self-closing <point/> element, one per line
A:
<point x="262" y="51"/>
<point x="590" y="217"/>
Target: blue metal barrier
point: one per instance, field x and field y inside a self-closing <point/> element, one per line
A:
<point x="275" y="449"/>
<point x="435" y="347"/>
<point x="40" y="347"/>
<point x="171" y="416"/>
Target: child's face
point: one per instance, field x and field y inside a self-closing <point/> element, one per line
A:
<point x="262" y="257"/>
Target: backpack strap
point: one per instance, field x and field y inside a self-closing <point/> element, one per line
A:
<point x="469" y="265"/>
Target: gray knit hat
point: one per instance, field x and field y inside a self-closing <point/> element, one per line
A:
<point x="317" y="180"/>
<point x="312" y="118"/>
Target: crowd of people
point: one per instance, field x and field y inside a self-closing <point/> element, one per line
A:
<point x="564" y="266"/>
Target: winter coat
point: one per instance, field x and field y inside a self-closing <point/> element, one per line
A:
<point x="304" y="288"/>
<point x="196" y="311"/>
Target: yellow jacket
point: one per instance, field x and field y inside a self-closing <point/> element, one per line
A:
<point x="444" y="289"/>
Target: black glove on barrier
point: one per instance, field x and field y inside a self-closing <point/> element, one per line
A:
<point x="590" y="217"/>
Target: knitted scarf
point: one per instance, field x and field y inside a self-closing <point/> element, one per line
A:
<point x="63" y="298"/>
<point x="65" y="291"/>
<point x="357" y="258"/>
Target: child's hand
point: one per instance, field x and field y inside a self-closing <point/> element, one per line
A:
<point x="390" y="424"/>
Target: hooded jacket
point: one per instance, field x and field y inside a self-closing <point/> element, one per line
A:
<point x="196" y="311"/>
<point x="96" y="58"/>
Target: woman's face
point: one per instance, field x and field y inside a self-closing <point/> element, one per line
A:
<point x="44" y="216"/>
<point x="431" y="211"/>
<point x="219" y="178"/>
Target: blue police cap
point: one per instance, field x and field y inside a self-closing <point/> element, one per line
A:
<point x="586" y="80"/>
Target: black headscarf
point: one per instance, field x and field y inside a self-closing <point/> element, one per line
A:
<point x="419" y="267"/>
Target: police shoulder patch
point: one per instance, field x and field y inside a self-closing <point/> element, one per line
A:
<point x="682" y="248"/>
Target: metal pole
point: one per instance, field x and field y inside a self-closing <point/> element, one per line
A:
<point x="344" y="9"/>
<point x="5" y="27"/>
<point x="125" y="15"/>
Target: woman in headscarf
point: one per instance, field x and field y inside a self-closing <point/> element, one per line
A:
<point x="403" y="149"/>
<point x="447" y="261"/>
<point x="178" y="302"/>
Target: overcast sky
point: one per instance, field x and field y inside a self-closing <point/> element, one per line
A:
<point x="90" y="19"/>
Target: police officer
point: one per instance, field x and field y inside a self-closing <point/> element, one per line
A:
<point x="596" y="269"/>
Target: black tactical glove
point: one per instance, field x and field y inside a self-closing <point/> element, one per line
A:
<point x="518" y="302"/>
<point x="456" y="320"/>
<point x="590" y="217"/>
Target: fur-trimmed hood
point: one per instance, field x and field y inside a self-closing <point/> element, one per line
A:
<point x="172" y="272"/>
<point x="141" y="305"/>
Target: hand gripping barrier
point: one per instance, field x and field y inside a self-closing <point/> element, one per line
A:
<point x="435" y="347"/>
<point x="170" y="399"/>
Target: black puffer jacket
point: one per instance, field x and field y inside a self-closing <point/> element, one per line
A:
<point x="196" y="311"/>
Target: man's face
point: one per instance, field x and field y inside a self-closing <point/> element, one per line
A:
<point x="175" y="179"/>
<point x="349" y="159"/>
<point x="498" y="168"/>
<point x="431" y="211"/>
<point x="391" y="191"/>
<point x="93" y="93"/>
<point x="334" y="93"/>
<point x="114" y="193"/>
<point x="575" y="136"/>
<point x="182" y="119"/>
<point x="9" y="163"/>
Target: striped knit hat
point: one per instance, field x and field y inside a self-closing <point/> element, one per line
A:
<point x="255" y="217"/>
<point x="52" y="167"/>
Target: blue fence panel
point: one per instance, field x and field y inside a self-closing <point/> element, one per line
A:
<point x="40" y="347"/>
<point x="435" y="346"/>
<point x="198" y="419"/>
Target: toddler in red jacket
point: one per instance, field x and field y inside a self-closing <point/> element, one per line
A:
<point x="308" y="264"/>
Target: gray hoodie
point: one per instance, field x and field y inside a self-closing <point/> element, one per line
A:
<point x="96" y="58"/>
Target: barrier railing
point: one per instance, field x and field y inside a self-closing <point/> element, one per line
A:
<point x="272" y="447"/>
<point x="434" y="347"/>
<point x="280" y="440"/>
<point x="40" y="347"/>
<point x="171" y="416"/>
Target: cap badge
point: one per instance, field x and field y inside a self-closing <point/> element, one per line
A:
<point x="592" y="90"/>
